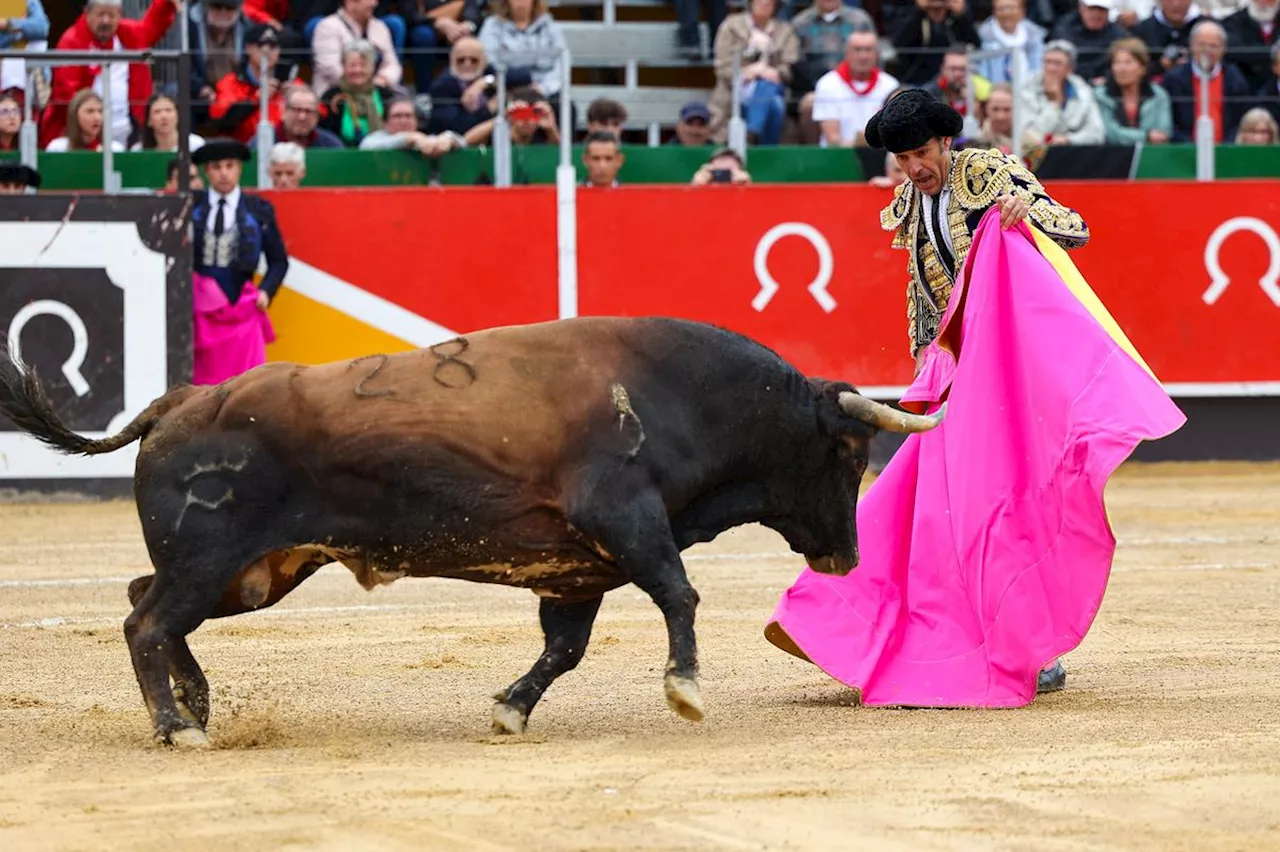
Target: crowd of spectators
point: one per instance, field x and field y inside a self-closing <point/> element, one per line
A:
<point x="382" y="74"/>
<point x="1095" y="71"/>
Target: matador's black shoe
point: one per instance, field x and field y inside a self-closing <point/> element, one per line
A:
<point x="1052" y="679"/>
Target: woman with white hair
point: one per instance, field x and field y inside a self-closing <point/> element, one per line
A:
<point x="1058" y="104"/>
<point x="287" y="165"/>
<point x="356" y="106"/>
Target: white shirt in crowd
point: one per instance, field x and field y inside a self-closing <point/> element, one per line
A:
<point x="62" y="143"/>
<point x="194" y="143"/>
<point x="835" y="100"/>
<point x="120" y="125"/>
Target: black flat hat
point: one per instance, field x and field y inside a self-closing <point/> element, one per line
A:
<point x="909" y="120"/>
<point x="220" y="149"/>
<point x="19" y="173"/>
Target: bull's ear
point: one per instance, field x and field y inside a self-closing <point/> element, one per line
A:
<point x="831" y="416"/>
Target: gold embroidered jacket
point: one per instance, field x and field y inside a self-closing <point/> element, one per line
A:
<point x="977" y="177"/>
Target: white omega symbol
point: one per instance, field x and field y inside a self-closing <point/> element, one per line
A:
<point x="1218" y="279"/>
<point x="826" y="264"/>
<point x="79" y="338"/>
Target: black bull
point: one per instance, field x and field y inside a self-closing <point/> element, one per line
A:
<point x="567" y="457"/>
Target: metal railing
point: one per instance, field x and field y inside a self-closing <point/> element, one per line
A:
<point x="29" y="135"/>
<point x="501" y="138"/>
<point x="1203" y="133"/>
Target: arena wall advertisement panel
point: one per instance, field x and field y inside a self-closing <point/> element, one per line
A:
<point x="1190" y="271"/>
<point x="95" y="294"/>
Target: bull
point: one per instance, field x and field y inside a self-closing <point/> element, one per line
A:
<point x="569" y="457"/>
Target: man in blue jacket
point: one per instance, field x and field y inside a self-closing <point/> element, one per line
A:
<point x="1229" y="94"/>
<point x="230" y="232"/>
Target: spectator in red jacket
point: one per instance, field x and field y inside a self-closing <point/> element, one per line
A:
<point x="238" y="96"/>
<point x="100" y="27"/>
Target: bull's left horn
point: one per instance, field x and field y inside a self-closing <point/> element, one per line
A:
<point x="885" y="417"/>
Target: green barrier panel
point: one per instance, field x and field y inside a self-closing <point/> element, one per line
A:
<point x="1167" y="162"/>
<point x="80" y="170"/>
<point x="677" y="164"/>
<point x="72" y="170"/>
<point x="1247" y="161"/>
<point x="1178" y="162"/>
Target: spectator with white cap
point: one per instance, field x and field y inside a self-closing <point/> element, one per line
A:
<point x="1253" y="31"/>
<point x="1092" y="31"/>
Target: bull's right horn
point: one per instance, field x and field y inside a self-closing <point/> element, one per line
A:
<point x="886" y="417"/>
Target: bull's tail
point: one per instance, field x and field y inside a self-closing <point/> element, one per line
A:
<point x="23" y="400"/>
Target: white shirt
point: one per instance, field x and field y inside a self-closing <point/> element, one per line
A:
<point x="834" y="100"/>
<point x="229" y="216"/>
<point x="62" y="143"/>
<point x="194" y="143"/>
<point x="926" y="214"/>
<point x="120" y="124"/>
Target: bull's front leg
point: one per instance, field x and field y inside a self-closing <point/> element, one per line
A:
<point x="567" y="628"/>
<point x="630" y="521"/>
<point x="667" y="584"/>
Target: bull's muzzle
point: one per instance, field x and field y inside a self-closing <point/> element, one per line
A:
<point x="837" y="566"/>
<point x="886" y="417"/>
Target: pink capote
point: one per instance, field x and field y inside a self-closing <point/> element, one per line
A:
<point x="229" y="339"/>
<point x="985" y="544"/>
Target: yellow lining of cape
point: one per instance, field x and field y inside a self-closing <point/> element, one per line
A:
<point x="1066" y="269"/>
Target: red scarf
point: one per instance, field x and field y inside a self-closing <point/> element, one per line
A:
<point x="1215" y="99"/>
<point x="845" y="74"/>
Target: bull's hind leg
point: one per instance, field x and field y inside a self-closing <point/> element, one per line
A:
<point x="156" y="631"/>
<point x="631" y="523"/>
<point x="190" y="688"/>
<point x="567" y="628"/>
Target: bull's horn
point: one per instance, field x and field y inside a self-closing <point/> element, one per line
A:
<point x="885" y="417"/>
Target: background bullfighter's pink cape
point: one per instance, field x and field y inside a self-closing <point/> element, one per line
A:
<point x="985" y="543"/>
<point x="229" y="339"/>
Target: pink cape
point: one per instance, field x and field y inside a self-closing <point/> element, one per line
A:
<point x="229" y="339"/>
<point x="985" y="543"/>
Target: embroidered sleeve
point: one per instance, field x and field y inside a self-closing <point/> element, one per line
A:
<point x="984" y="175"/>
<point x="894" y="217"/>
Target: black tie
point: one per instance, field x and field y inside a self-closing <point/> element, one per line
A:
<point x="944" y="254"/>
<point x="217" y="223"/>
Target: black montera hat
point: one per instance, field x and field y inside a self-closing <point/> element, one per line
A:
<point x="909" y="120"/>
<point x="19" y="173"/>
<point x="220" y="149"/>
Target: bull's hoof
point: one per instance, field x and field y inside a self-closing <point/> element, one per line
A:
<point x="193" y="708"/>
<point x="684" y="697"/>
<point x="189" y="738"/>
<point x="508" y="720"/>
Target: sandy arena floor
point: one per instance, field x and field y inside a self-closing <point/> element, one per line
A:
<point x="352" y="720"/>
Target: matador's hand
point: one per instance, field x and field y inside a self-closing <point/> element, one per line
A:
<point x="1012" y="210"/>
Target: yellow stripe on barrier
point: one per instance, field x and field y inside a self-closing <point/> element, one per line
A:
<point x="309" y="332"/>
<point x="1066" y="269"/>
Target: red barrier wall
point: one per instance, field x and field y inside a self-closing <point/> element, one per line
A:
<point x="471" y="258"/>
